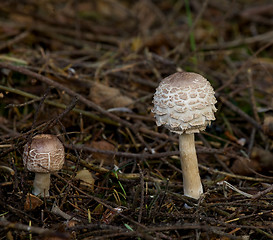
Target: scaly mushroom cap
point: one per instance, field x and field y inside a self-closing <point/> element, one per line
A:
<point x="44" y="154"/>
<point x="184" y="103"/>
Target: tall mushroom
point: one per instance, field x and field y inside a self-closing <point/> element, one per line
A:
<point x="43" y="155"/>
<point x="184" y="104"/>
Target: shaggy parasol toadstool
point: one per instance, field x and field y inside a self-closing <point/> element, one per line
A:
<point x="184" y="104"/>
<point x="43" y="155"/>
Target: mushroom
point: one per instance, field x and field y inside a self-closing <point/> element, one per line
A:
<point x="43" y="155"/>
<point x="184" y="104"/>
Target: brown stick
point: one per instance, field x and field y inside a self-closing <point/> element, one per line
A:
<point x="81" y="99"/>
<point x="260" y="194"/>
<point x="67" y="90"/>
<point x="140" y="155"/>
<point x="37" y="230"/>
<point x="17" y="39"/>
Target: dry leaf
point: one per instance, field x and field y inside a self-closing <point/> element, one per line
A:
<point x="268" y="124"/>
<point x="108" y="97"/>
<point x="87" y="179"/>
<point x="261" y="161"/>
<point x="147" y="14"/>
<point x="243" y="166"/>
<point x="264" y="157"/>
<point x="32" y="202"/>
<point x="101" y="157"/>
<point x="9" y="236"/>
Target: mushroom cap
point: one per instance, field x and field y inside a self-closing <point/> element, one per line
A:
<point x="44" y="154"/>
<point x="184" y="103"/>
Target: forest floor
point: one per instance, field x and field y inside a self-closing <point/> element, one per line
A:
<point x="86" y="71"/>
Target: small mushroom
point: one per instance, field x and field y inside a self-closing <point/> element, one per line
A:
<point x="196" y="95"/>
<point x="43" y="155"/>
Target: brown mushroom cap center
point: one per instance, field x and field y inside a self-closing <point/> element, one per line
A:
<point x="44" y="154"/>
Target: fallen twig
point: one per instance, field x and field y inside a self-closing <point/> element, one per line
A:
<point x="37" y="230"/>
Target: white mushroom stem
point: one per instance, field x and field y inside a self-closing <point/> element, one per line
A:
<point x="191" y="177"/>
<point x="41" y="184"/>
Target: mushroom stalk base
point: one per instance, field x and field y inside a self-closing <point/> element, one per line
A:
<point x="191" y="177"/>
<point x="41" y="184"/>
